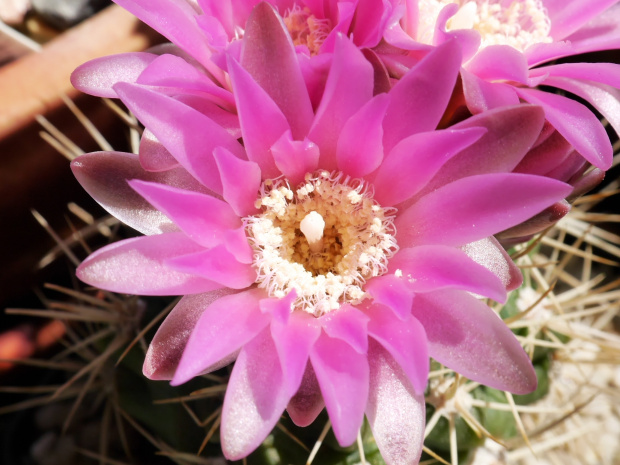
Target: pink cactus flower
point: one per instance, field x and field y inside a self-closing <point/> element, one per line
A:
<point x="333" y="250"/>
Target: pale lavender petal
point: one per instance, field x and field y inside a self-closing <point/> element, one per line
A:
<point x="96" y="77"/>
<point x="432" y="267"/>
<point x="262" y="122"/>
<point x="269" y="56"/>
<point x="605" y="73"/>
<point x="137" y="266"/>
<point x="490" y="254"/>
<point x="393" y="292"/>
<point x="414" y="161"/>
<point x="600" y="33"/>
<point x="347" y="324"/>
<point x="153" y="155"/>
<point x="469" y="337"/>
<point x="168" y="344"/>
<point x="567" y="17"/>
<point x="499" y="63"/>
<point x="428" y="85"/>
<point x="395" y="412"/>
<point x="307" y="403"/>
<point x="240" y="181"/>
<point x="405" y="340"/>
<point x="280" y="309"/>
<point x="295" y="158"/>
<point x="342" y="98"/>
<point x="476" y="207"/>
<point x="255" y="398"/>
<point x="360" y="145"/>
<point x="481" y="95"/>
<point x="342" y="374"/>
<point x="225" y="326"/>
<point x="181" y="130"/>
<point x="576" y="123"/>
<point x="104" y="176"/>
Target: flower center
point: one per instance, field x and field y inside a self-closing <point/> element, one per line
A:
<point x="518" y="23"/>
<point x="324" y="240"/>
<point x="306" y="29"/>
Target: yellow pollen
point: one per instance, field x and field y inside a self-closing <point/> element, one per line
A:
<point x="306" y="29"/>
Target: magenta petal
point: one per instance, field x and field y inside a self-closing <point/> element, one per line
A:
<point x="307" y="403"/>
<point x="469" y="337"/>
<point x="216" y="264"/>
<point x="476" y="207"/>
<point x="269" y="56"/>
<point x="203" y="218"/>
<point x="481" y="95"/>
<point x="342" y="98"/>
<point x="240" y="181"/>
<point x="576" y="123"/>
<point x="538" y="223"/>
<point x="499" y="63"/>
<point x="224" y="327"/>
<point x="395" y="412"/>
<point x="415" y="160"/>
<point x="342" y="374"/>
<point x="153" y="155"/>
<point x="428" y="85"/>
<point x="360" y="146"/>
<point x="405" y="340"/>
<point x="96" y="77"/>
<point x="295" y="158"/>
<point x="490" y="254"/>
<point x="347" y="324"/>
<point x="433" y="267"/>
<point x="137" y="266"/>
<point x="255" y="398"/>
<point x="566" y="18"/>
<point x="168" y="344"/>
<point x="393" y="292"/>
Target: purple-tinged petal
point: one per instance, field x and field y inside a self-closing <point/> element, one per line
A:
<point x="342" y="373"/>
<point x="382" y="77"/>
<point x="104" y="176"/>
<point x="428" y="85"/>
<point x="370" y="19"/>
<point x="545" y="156"/>
<point x="499" y="63"/>
<point x="181" y="130"/>
<point x="543" y="220"/>
<point x="601" y="33"/>
<point x="136" y="266"/>
<point x="585" y="183"/>
<point x="342" y="98"/>
<point x="414" y="161"/>
<point x="395" y="412"/>
<point x="168" y="344"/>
<point x="360" y="145"/>
<point x="405" y="340"/>
<point x="308" y="402"/>
<point x="481" y="95"/>
<point x="567" y="17"/>
<point x="295" y="158"/>
<point x="153" y="155"/>
<point x="256" y="396"/>
<point x="269" y="56"/>
<point x="226" y="119"/>
<point x="96" y="77"/>
<point x="432" y="267"/>
<point x="476" y="207"/>
<point x="279" y="309"/>
<point x="576" y="123"/>
<point x="490" y="254"/>
<point x="240" y="181"/>
<point x="469" y="337"/>
<point x="225" y="326"/>
<point x="203" y="218"/>
<point x="393" y="292"/>
<point x="262" y="122"/>
<point x="347" y="324"/>
<point x="604" y="73"/>
<point x="216" y="264"/>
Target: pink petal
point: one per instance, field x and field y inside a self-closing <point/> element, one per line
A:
<point x="600" y="33"/>
<point x="432" y="267"/>
<point x="269" y="56"/>
<point x="396" y="413"/>
<point x="153" y="155"/>
<point x="240" y="181"/>
<point x="181" y="130"/>
<point x="342" y="98"/>
<point x="295" y="158"/>
<point x="349" y="325"/>
<point x="307" y="403"/>
<point x="576" y="123"/>
<point x="405" y="340"/>
<point x="566" y="18"/>
<point x="490" y="254"/>
<point x="96" y="77"/>
<point x="538" y="223"/>
<point x="476" y="207"/>
<point x="393" y="292"/>
<point x="546" y="156"/>
<point x="137" y="266"/>
<point x="427" y="85"/>
<point x="370" y="18"/>
<point x="360" y="146"/>
<point x="168" y="344"/>
<point x="481" y="95"/>
<point x="470" y="338"/>
<point x="499" y="63"/>
<point x="255" y="398"/>
<point x="225" y="326"/>
<point x="414" y="161"/>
